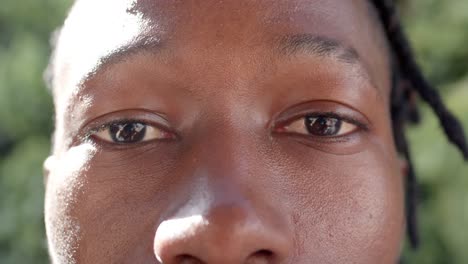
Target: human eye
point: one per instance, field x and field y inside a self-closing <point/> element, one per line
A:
<point x="129" y="132"/>
<point x="323" y="125"/>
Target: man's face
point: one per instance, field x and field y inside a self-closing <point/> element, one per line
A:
<point x="223" y="132"/>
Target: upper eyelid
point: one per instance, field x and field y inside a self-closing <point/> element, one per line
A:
<point x="99" y="127"/>
<point x="117" y="121"/>
<point x="93" y="129"/>
<point x="340" y="109"/>
<point x="158" y="119"/>
<point x="344" y="118"/>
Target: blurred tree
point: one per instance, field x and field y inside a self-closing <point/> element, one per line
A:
<point x="26" y="124"/>
<point x="438" y="30"/>
<point x="439" y="33"/>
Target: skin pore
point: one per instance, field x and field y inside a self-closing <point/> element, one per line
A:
<point x="223" y="132"/>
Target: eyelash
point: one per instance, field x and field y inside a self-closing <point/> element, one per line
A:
<point x="89" y="136"/>
<point x="360" y="126"/>
<point x="101" y="127"/>
<point x="342" y="117"/>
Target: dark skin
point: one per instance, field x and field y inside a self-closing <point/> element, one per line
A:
<point x="223" y="132"/>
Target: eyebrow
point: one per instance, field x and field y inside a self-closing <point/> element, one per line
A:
<point x="322" y="46"/>
<point x="288" y="45"/>
<point x="144" y="44"/>
<point x="138" y="46"/>
<point x="317" y="45"/>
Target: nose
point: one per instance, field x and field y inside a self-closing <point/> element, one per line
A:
<point x="230" y="231"/>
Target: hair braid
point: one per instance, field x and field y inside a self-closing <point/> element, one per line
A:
<point x="400" y="109"/>
<point x="407" y="80"/>
<point x="411" y="72"/>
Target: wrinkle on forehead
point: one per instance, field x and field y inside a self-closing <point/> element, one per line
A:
<point x="96" y="28"/>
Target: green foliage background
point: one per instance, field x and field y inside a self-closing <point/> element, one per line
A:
<point x="438" y="30"/>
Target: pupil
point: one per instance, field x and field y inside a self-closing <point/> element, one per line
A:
<point x="322" y="126"/>
<point x="127" y="132"/>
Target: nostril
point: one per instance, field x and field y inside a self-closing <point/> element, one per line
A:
<point x="262" y="256"/>
<point x="187" y="259"/>
<point x="264" y="253"/>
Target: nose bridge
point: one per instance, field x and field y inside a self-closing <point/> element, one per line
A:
<point x="228" y="158"/>
<point x="223" y="176"/>
<point x="218" y="165"/>
<point x="226" y="217"/>
<point x="231" y="136"/>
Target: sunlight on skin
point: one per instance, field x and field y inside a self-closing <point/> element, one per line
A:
<point x="66" y="183"/>
<point x="179" y="227"/>
<point x="116" y="26"/>
<point x="79" y="56"/>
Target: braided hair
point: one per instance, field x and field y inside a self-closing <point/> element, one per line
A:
<point x="407" y="82"/>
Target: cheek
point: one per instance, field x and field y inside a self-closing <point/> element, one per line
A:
<point x="108" y="205"/>
<point x="112" y="203"/>
<point x="64" y="185"/>
<point x="343" y="206"/>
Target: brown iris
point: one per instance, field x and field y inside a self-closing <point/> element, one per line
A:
<point x="322" y="125"/>
<point x="127" y="132"/>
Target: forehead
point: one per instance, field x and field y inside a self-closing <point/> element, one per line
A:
<point x="96" y="29"/>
